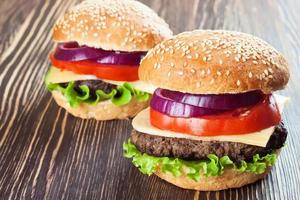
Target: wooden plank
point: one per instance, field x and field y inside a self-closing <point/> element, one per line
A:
<point x="46" y="153"/>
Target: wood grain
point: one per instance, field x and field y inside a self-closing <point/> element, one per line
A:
<point x="47" y="154"/>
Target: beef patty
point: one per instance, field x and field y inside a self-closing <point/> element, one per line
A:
<point x="93" y="85"/>
<point x="195" y="150"/>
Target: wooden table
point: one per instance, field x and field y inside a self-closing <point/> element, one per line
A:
<point x="47" y="153"/>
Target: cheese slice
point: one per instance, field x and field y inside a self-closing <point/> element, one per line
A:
<point x="56" y="75"/>
<point x="142" y="124"/>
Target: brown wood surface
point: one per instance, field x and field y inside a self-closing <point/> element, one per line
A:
<point x="46" y="153"/>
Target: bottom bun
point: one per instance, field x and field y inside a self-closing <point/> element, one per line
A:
<point x="105" y="110"/>
<point x="229" y="179"/>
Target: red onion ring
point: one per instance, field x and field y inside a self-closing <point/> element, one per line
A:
<point x="216" y="101"/>
<point x="71" y="51"/>
<point x="165" y="105"/>
<point x="179" y="104"/>
<point x="122" y="58"/>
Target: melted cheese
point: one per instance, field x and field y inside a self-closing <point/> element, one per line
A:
<point x="56" y="75"/>
<point x="142" y="124"/>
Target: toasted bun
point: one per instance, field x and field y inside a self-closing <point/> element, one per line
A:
<point x="229" y="179"/>
<point x="126" y="25"/>
<point x="214" y="62"/>
<point x="102" y="111"/>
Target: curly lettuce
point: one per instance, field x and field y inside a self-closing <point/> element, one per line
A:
<point x="120" y="96"/>
<point x="213" y="166"/>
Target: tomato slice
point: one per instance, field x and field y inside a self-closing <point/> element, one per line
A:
<point x="240" y="121"/>
<point x="103" y="71"/>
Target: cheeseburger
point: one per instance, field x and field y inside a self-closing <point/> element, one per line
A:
<point x="94" y="67"/>
<point x="213" y="122"/>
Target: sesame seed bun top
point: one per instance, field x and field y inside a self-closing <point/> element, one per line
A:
<point x="214" y="62"/>
<point x="126" y="25"/>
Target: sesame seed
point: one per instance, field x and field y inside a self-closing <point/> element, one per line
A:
<point x="266" y="72"/>
<point x="204" y="59"/>
<point x="212" y="81"/>
<point x="272" y="61"/>
<point x="193" y="71"/>
<point x="169" y="74"/>
<point x="270" y="70"/>
<point x="108" y="35"/>
<point x="219" y="73"/>
<point x="238" y="83"/>
<point x="208" y="71"/>
<point x="250" y="75"/>
<point x="227" y="73"/>
<point x="172" y="65"/>
<point x="221" y="62"/>
<point x="180" y="73"/>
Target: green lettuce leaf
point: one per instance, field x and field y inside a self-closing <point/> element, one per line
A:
<point x="120" y="96"/>
<point x="212" y="166"/>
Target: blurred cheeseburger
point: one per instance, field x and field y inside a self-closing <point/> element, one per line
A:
<point x="213" y="122"/>
<point x="94" y="68"/>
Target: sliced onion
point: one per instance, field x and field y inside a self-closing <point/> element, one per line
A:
<point x="179" y="104"/>
<point x="71" y="51"/>
<point x="214" y="101"/>
<point x="165" y="105"/>
<point x="122" y="58"/>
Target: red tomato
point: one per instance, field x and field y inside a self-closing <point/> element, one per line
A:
<point x="240" y="121"/>
<point x="103" y="71"/>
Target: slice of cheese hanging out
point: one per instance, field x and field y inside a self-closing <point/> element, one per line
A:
<point x="56" y="75"/>
<point x="142" y="124"/>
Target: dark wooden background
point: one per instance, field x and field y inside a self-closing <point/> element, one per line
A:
<point x="46" y="153"/>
